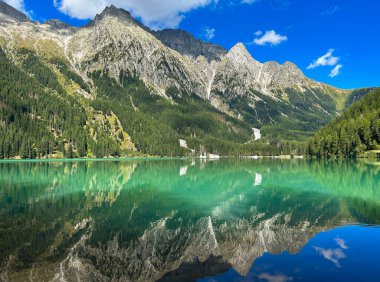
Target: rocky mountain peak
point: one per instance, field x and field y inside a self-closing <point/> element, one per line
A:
<point x="239" y="57"/>
<point x="186" y="44"/>
<point x="239" y="47"/>
<point x="240" y="53"/>
<point x="58" y="24"/>
<point x="293" y="68"/>
<point x="12" y="12"/>
<point x="112" y="11"/>
<point x="288" y="69"/>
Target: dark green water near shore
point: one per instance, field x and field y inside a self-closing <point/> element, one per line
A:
<point x="187" y="220"/>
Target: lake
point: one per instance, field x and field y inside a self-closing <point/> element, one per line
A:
<point x="190" y="220"/>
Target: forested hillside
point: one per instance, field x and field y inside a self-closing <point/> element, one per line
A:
<point x="40" y="117"/>
<point x="47" y="110"/>
<point x="357" y="94"/>
<point x="356" y="131"/>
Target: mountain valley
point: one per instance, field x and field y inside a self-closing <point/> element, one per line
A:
<point x="116" y="88"/>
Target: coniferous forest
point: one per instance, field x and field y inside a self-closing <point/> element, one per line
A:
<point x="356" y="131"/>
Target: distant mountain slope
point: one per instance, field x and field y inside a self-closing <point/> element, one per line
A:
<point x="356" y="131"/>
<point x="11" y="12"/>
<point x="144" y="93"/>
<point x="357" y="94"/>
<point x="186" y="44"/>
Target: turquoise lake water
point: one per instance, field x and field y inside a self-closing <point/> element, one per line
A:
<point x="190" y="220"/>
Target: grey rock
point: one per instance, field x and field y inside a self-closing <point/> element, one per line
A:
<point x="121" y="14"/>
<point x="12" y="12"/>
<point x="187" y="45"/>
<point x="57" y="24"/>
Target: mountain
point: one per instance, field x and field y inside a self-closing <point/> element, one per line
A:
<point x="186" y="44"/>
<point x="58" y="24"/>
<point x="357" y="94"/>
<point x="12" y="13"/>
<point x="138" y="90"/>
<point x="353" y="133"/>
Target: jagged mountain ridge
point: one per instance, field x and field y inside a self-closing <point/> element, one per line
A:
<point x="242" y="90"/>
<point x="188" y="45"/>
<point x="116" y="28"/>
<point x="161" y="68"/>
<point x="58" y="24"/>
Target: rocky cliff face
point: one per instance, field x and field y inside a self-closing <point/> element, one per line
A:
<point x="187" y="45"/>
<point x="238" y="73"/>
<point x="115" y="42"/>
<point x="57" y="24"/>
<point x="12" y="13"/>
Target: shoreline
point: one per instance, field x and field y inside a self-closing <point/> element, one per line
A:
<point x="88" y="159"/>
<point x="153" y="158"/>
<point x="283" y="157"/>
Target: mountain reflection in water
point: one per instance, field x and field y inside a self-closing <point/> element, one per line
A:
<point x="175" y="220"/>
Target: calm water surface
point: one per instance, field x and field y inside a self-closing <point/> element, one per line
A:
<point x="184" y="220"/>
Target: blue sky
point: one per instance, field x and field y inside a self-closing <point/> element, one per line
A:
<point x="343" y="35"/>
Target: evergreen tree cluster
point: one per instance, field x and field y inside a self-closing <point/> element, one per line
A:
<point x="37" y="116"/>
<point x="350" y="135"/>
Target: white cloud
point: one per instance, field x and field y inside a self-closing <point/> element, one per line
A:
<point x="269" y="38"/>
<point x="153" y="13"/>
<point x="333" y="255"/>
<point x="209" y="33"/>
<point x="341" y="243"/>
<point x="17" y="4"/>
<point x="335" y="71"/>
<point x="258" y="33"/>
<point x="274" y="278"/>
<point x="326" y="60"/>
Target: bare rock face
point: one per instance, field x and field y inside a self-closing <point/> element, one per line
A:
<point x="58" y="24"/>
<point x="12" y="13"/>
<point x="116" y="42"/>
<point x="286" y="75"/>
<point x="238" y="73"/>
<point x="112" y="11"/>
<point x="187" y="45"/>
